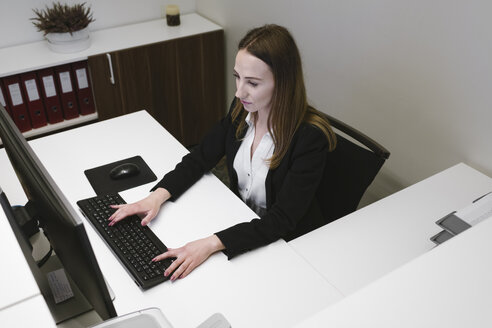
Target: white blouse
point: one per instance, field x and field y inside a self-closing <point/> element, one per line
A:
<point x="252" y="171"/>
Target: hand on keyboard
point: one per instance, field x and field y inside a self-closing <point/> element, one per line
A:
<point x="189" y="256"/>
<point x="134" y="244"/>
<point x="146" y="208"/>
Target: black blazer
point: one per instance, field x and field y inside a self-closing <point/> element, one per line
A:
<point x="292" y="189"/>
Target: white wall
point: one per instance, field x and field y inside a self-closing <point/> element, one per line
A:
<point x="414" y="75"/>
<point x="16" y="28"/>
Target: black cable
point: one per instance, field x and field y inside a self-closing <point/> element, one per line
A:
<point x="45" y="258"/>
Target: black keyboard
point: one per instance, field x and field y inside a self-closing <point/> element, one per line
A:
<point x="133" y="244"/>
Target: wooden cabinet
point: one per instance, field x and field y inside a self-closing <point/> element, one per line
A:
<point x="180" y="82"/>
<point x="175" y="73"/>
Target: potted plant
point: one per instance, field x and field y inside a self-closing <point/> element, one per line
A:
<point x="65" y="27"/>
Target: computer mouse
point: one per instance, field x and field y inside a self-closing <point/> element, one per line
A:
<point x="123" y="171"/>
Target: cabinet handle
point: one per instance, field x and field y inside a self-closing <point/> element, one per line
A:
<point x="111" y="76"/>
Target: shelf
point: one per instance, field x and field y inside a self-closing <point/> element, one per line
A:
<point x="58" y="126"/>
<point x="61" y="125"/>
<point x="37" y="55"/>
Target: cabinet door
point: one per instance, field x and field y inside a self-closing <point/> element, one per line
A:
<point x="107" y="95"/>
<point x="190" y="88"/>
<point x="165" y="92"/>
<point x="188" y="82"/>
<point x="145" y="78"/>
<point x="131" y="88"/>
<point x="134" y="78"/>
<point x="201" y="80"/>
<point x="213" y="50"/>
<point x="179" y="82"/>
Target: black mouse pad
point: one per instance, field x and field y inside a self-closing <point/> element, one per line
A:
<point x="103" y="184"/>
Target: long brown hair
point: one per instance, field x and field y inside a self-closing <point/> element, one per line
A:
<point x="275" y="46"/>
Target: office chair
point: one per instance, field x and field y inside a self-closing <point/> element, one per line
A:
<point x="350" y="169"/>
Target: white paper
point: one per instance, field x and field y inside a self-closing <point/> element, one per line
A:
<point x="60" y="287"/>
<point x="32" y="90"/>
<point x="2" y="99"/>
<point x="66" y="82"/>
<point x="82" y="78"/>
<point x="49" y="86"/>
<point x="15" y="94"/>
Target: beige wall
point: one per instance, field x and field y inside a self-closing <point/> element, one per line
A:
<point x="414" y="75"/>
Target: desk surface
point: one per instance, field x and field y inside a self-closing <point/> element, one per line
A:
<point x="274" y="286"/>
<point x="449" y="286"/>
<point x="269" y="287"/>
<point x="373" y="241"/>
<point x="32" y="312"/>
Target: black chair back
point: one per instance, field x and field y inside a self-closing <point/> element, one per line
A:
<point x="350" y="169"/>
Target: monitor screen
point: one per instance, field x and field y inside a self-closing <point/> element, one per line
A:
<point x="61" y="225"/>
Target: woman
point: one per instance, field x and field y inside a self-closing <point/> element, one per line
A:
<point x="275" y="146"/>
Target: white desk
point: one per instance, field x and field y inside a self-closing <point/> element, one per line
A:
<point x="268" y="287"/>
<point x="32" y="312"/>
<point x="450" y="286"/>
<point x="373" y="241"/>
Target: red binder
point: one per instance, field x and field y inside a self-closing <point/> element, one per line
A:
<point x="50" y="95"/>
<point x="3" y="98"/>
<point x="68" y="97"/>
<point x="16" y="102"/>
<point x="35" y="104"/>
<point x="83" y="88"/>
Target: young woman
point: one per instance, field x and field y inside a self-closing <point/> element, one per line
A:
<point x="275" y="146"/>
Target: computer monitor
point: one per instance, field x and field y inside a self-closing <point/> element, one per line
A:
<point x="62" y="226"/>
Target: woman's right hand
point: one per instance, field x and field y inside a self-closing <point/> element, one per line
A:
<point x="146" y="208"/>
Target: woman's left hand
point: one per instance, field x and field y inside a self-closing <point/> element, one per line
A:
<point x="190" y="256"/>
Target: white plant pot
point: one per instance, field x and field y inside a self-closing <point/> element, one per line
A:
<point x="68" y="43"/>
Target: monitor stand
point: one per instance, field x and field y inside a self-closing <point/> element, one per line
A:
<point x="64" y="310"/>
<point x="70" y="308"/>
